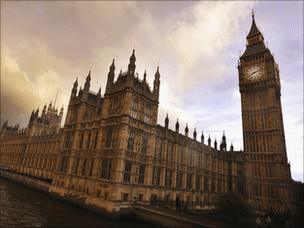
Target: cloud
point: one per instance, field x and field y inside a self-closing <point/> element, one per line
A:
<point x="195" y="44"/>
<point x="200" y="43"/>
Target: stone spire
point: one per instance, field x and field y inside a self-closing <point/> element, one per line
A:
<point x="76" y="84"/>
<point x="215" y="144"/>
<point x="111" y="75"/>
<point x="177" y="126"/>
<point x="209" y="141"/>
<point x="74" y="89"/>
<point x="231" y="147"/>
<point x="186" y="130"/>
<point x="132" y="66"/>
<point x="167" y="121"/>
<point x="156" y="82"/>
<point x="88" y="82"/>
<point x="254" y="29"/>
<point x="145" y="77"/>
<point x="202" y="137"/>
<point x="194" y="134"/>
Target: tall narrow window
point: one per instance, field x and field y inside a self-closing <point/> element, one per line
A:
<point x="170" y="152"/>
<point x="131" y="140"/>
<point x="81" y="139"/>
<point x="68" y="140"/>
<point x="179" y="179"/>
<point x="168" y="181"/>
<point x="156" y="176"/>
<point x="134" y="106"/>
<point x="141" y="176"/>
<point x="127" y="172"/>
<point x="106" y="169"/>
<point x="84" y="164"/>
<point x="144" y="144"/>
<point x="109" y="135"/>
<point x="89" y="140"/>
<point x="147" y="113"/>
<point x="189" y="181"/>
<point x="75" y="167"/>
<point x="206" y="185"/>
<point x="95" y="140"/>
<point x="198" y="182"/>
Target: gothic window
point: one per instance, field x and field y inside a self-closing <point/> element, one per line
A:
<point x="96" y="138"/>
<point x="109" y="136"/>
<point x="206" y="184"/>
<point x="147" y="113"/>
<point x="125" y="196"/>
<point x="212" y="184"/>
<point x="106" y="169"/>
<point x="141" y="176"/>
<point x="144" y="143"/>
<point x="81" y="139"/>
<point x="68" y="140"/>
<point x="89" y="139"/>
<point x="127" y="171"/>
<point x="156" y="176"/>
<point x="134" y="106"/>
<point x="189" y="181"/>
<point x="64" y="164"/>
<point x="158" y="148"/>
<point x="131" y="140"/>
<point x="170" y="152"/>
<point x="168" y="181"/>
<point x="181" y="154"/>
<point x="75" y="167"/>
<point x="84" y="164"/>
<point x="198" y="182"/>
<point x="90" y="167"/>
<point x="179" y="179"/>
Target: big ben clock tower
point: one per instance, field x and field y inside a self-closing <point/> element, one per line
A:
<point x="267" y="172"/>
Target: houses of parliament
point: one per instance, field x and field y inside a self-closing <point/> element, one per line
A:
<point x="112" y="154"/>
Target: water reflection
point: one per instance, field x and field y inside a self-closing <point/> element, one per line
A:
<point x="24" y="207"/>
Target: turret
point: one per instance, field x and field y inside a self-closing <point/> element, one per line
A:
<point x="74" y="89"/>
<point x="44" y="110"/>
<point x="88" y="82"/>
<point x="177" y="126"/>
<point x="111" y="75"/>
<point x="132" y="66"/>
<point x="36" y="113"/>
<point x="223" y="146"/>
<point x="156" y="82"/>
<point x="209" y="141"/>
<point x="202" y="137"/>
<point x="167" y="121"/>
<point x="145" y="76"/>
<point x="194" y="134"/>
<point x="186" y="130"/>
<point x="50" y="107"/>
<point x="231" y="147"/>
<point x="31" y="117"/>
<point x="215" y="144"/>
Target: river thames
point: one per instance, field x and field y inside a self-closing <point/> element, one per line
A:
<point x="24" y="207"/>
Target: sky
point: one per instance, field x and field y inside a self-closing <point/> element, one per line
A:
<point x="45" y="45"/>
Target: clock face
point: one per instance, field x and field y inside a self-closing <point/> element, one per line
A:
<point x="254" y="72"/>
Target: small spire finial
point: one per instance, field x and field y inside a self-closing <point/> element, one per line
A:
<point x="252" y="13"/>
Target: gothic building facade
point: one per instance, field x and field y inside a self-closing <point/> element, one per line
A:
<point x="111" y="153"/>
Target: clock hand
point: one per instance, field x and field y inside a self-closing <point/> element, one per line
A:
<point x="254" y="72"/>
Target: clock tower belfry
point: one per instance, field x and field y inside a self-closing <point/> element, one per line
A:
<point x="267" y="172"/>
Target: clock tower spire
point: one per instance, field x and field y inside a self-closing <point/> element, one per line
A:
<point x="267" y="172"/>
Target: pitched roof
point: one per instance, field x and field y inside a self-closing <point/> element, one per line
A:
<point x="254" y="29"/>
